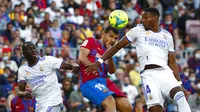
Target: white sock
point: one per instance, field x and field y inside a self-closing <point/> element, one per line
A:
<point x="180" y="99"/>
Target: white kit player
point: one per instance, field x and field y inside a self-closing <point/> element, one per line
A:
<point x="40" y="74"/>
<point x="155" y="53"/>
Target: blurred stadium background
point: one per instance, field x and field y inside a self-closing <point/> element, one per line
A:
<point x="58" y="27"/>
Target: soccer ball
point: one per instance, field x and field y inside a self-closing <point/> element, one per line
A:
<point x="118" y="19"/>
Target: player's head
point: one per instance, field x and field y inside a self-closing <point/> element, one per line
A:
<point x="109" y="36"/>
<point x="29" y="50"/>
<point x="150" y="18"/>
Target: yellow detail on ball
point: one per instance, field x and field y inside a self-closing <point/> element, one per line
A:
<point x="118" y="19"/>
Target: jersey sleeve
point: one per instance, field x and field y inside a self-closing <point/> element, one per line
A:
<point x="21" y="75"/>
<point x="88" y="44"/>
<point x="171" y="44"/>
<point x="53" y="62"/>
<point x="132" y="34"/>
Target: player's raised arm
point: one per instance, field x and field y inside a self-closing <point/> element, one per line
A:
<point x="111" y="63"/>
<point x="113" y="50"/>
<point x="111" y="66"/>
<point x="108" y="54"/>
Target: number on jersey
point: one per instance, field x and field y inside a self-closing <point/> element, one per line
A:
<point x="100" y="86"/>
<point x="148" y="90"/>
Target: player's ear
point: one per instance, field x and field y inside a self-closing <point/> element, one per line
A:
<point x="103" y="34"/>
<point x="155" y="17"/>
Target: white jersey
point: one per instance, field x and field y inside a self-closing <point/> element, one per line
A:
<point x="151" y="47"/>
<point x="43" y="80"/>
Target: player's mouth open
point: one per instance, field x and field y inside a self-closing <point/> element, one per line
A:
<point x="112" y="44"/>
<point x="34" y="53"/>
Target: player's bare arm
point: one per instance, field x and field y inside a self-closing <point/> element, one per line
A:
<point x="83" y="53"/>
<point x="111" y="66"/>
<point x="172" y="64"/>
<point x="108" y="54"/>
<point x="73" y="67"/>
<point x="111" y="63"/>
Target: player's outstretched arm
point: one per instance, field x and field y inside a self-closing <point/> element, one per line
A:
<point x="74" y="67"/>
<point x="114" y="49"/>
<point x="111" y="66"/>
<point x="108" y="54"/>
<point x="111" y="63"/>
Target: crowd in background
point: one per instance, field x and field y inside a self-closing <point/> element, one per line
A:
<point x="58" y="27"/>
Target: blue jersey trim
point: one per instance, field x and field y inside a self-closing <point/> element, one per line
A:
<point x="62" y="64"/>
<point x="93" y="52"/>
<point x="128" y="39"/>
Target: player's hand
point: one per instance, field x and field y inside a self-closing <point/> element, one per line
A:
<point x="92" y="68"/>
<point x="186" y="92"/>
<point x="76" y="68"/>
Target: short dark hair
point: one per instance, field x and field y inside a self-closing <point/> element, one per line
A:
<point x="25" y="44"/>
<point x="110" y="28"/>
<point x="153" y="11"/>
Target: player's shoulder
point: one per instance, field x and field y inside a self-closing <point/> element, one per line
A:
<point x="42" y="58"/>
<point x="90" y="40"/>
<point x="23" y="67"/>
<point x="14" y="100"/>
<point x="139" y="27"/>
<point x="46" y="58"/>
<point x="166" y="33"/>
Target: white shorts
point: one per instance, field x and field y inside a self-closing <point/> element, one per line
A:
<point x="157" y="84"/>
<point x="56" y="108"/>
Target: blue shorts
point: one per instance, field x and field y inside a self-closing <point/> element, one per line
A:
<point x="95" y="90"/>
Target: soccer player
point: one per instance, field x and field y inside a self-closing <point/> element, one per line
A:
<point x="95" y="86"/>
<point x="155" y="53"/>
<point x="40" y="74"/>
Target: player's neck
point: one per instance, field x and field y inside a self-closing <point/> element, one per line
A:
<point x="32" y="62"/>
<point x="155" y="28"/>
<point x="102" y="41"/>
